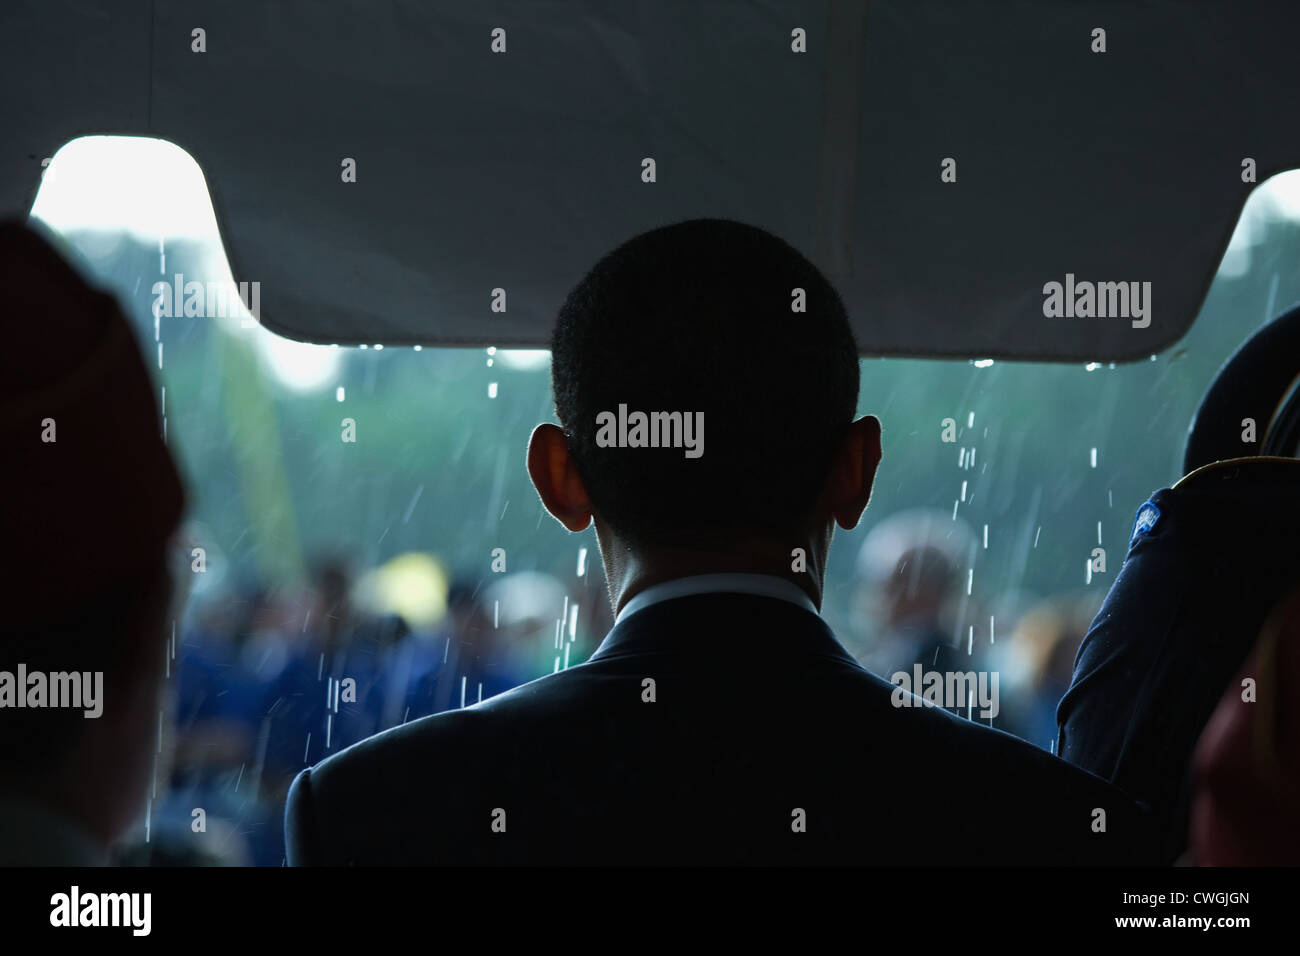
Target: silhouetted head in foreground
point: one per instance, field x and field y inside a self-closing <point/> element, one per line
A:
<point x="91" y="500"/>
<point x="706" y="378"/>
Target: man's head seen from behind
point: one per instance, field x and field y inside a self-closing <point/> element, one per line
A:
<point x="722" y="322"/>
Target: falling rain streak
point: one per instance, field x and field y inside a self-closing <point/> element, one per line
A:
<point x="411" y="507"/>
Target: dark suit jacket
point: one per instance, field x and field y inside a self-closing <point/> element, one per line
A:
<point x="765" y="742"/>
<point x="1211" y="557"/>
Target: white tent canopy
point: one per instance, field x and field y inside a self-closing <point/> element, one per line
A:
<point x="479" y="170"/>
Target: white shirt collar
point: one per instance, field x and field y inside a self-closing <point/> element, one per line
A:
<point x="764" y="585"/>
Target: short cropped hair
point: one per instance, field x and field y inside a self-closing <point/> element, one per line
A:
<point x="715" y="317"/>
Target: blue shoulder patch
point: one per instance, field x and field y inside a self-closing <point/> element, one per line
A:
<point x="1147" y="518"/>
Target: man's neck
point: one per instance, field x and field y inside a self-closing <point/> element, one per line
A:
<point x="630" y="571"/>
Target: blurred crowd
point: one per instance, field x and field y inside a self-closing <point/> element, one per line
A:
<point x="267" y="681"/>
<point x="912" y="606"/>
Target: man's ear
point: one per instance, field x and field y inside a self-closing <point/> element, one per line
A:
<point x="854" y="472"/>
<point x="555" y="476"/>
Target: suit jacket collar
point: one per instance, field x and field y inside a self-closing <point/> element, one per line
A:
<point x="745" y="626"/>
